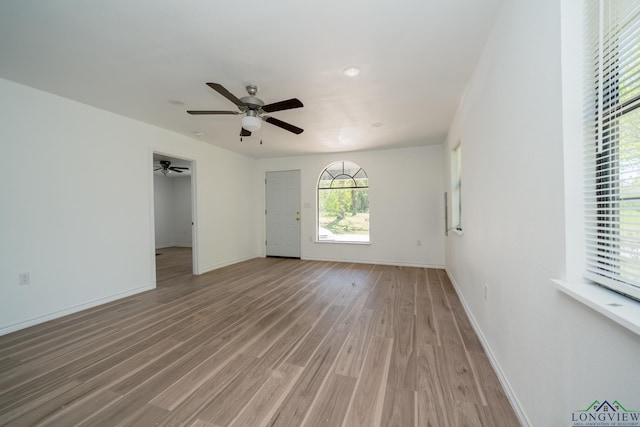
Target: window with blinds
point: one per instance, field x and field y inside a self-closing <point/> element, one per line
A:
<point x="612" y="145"/>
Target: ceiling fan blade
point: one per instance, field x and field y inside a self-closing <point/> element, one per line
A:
<point x="211" y="112"/>
<point x="175" y="169"/>
<point x="282" y="105"/>
<point x="178" y="167"/>
<point x="224" y="92"/>
<point x="284" y="125"/>
<point x="244" y="132"/>
<point x="157" y="169"/>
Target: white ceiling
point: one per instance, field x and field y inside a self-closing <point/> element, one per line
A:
<point x="133" y="57"/>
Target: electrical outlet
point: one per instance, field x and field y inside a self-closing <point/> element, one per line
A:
<point x="24" y="279"/>
<point x="486" y="291"/>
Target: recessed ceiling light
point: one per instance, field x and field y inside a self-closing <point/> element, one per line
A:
<point x="175" y="102"/>
<point x="198" y="133"/>
<point x="351" y="72"/>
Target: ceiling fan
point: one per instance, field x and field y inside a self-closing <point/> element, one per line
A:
<point x="254" y="108"/>
<point x="165" y="168"/>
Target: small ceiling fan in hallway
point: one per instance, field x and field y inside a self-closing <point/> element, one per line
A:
<point x="165" y="168"/>
<point x="254" y="109"/>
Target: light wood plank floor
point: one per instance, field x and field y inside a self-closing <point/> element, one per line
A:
<point x="266" y="342"/>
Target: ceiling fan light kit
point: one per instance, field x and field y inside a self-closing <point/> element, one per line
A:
<point x="253" y="108"/>
<point x="251" y="122"/>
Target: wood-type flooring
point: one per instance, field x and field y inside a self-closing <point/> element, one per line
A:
<point x="265" y="342"/>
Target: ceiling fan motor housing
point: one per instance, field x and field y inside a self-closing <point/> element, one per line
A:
<point x="252" y="102"/>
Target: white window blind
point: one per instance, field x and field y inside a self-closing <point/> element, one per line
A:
<point x="612" y="145"/>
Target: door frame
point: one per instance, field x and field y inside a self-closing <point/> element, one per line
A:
<point x="194" y="209"/>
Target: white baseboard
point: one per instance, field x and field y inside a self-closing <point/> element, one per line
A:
<point x="175" y="245"/>
<point x="375" y="261"/>
<point x="515" y="403"/>
<point x="70" y="310"/>
<point x="226" y="263"/>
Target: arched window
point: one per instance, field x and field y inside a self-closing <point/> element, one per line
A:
<point x="343" y="203"/>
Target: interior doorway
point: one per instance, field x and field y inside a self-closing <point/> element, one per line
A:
<point x="173" y="211"/>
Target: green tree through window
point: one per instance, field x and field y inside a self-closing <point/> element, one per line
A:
<point x="343" y="203"/>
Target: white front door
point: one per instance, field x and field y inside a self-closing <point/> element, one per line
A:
<point x="283" y="213"/>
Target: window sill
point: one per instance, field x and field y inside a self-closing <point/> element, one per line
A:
<point x="341" y="242"/>
<point x="622" y="310"/>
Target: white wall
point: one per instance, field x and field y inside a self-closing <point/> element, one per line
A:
<point x="182" y="211"/>
<point x="406" y="205"/>
<point x="85" y="232"/>
<point x="556" y="354"/>
<point x="172" y="209"/>
<point x="163" y="210"/>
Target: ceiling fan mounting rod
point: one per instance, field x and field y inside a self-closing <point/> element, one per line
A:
<point x="252" y="102"/>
